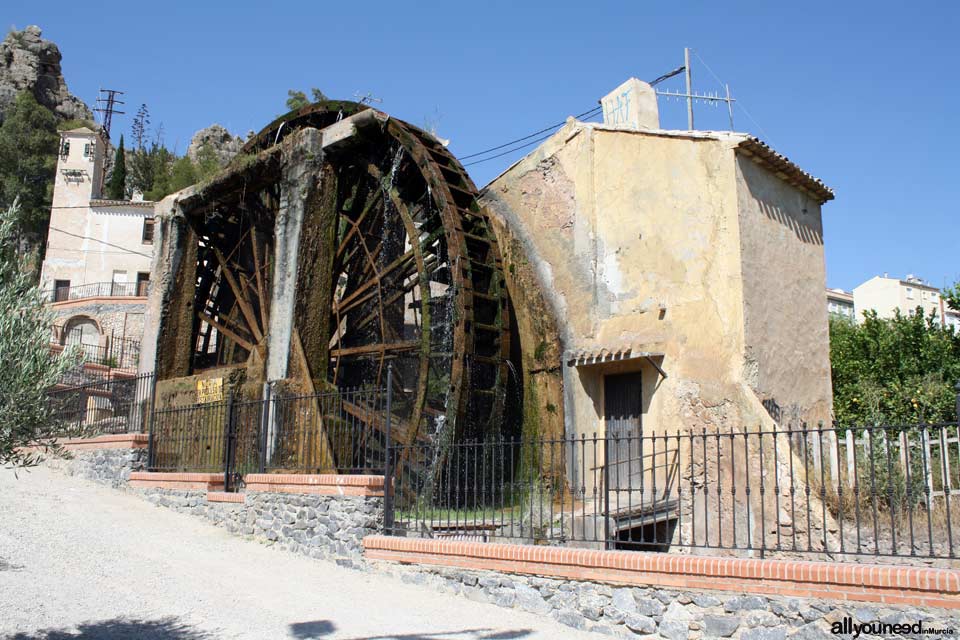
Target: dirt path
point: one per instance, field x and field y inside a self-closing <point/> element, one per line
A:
<point x="81" y="561"/>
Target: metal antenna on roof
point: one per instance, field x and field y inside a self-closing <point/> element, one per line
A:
<point x="691" y="96"/>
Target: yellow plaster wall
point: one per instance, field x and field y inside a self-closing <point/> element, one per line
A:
<point x="636" y="239"/>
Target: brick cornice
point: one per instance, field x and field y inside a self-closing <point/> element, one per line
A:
<point x="110" y="441"/>
<point x="918" y="586"/>
<point x="317" y="484"/>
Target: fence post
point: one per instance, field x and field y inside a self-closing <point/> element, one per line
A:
<point x="151" y="400"/>
<point x="834" y="456"/>
<point x="851" y="457"/>
<point x="150" y="450"/>
<point x="957" y="389"/>
<point x="929" y="467"/>
<point x="228" y="433"/>
<point x="265" y="425"/>
<point x="387" y="466"/>
<point x="606" y="487"/>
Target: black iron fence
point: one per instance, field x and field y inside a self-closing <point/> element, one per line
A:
<point x="340" y="431"/>
<point x="868" y="492"/>
<point x="881" y="491"/>
<point x="119" y="405"/>
<point x="97" y="289"/>
<point x="117" y="353"/>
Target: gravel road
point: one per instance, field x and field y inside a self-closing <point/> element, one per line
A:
<point x="79" y="561"/>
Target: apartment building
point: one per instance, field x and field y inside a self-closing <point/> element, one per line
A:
<point x="840" y="303"/>
<point x="886" y="295"/>
<point x="97" y="264"/>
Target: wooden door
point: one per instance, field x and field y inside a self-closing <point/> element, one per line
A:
<point x="623" y="408"/>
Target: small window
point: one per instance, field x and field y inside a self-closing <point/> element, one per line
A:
<point x="65" y="149"/>
<point x="61" y="290"/>
<point x="143" y="283"/>
<point x="909" y="293"/>
<point x="933" y="295"/>
<point x="88" y="150"/>
<point x="147" y="231"/>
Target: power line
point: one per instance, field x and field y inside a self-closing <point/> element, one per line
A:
<point x="115" y="246"/>
<point x="509" y="151"/>
<point x="739" y="101"/>
<point x="535" y="133"/>
<point x="586" y="114"/>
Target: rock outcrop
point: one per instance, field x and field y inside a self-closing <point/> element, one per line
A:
<point x="221" y="142"/>
<point x="28" y="62"/>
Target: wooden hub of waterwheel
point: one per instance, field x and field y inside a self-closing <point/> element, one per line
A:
<point x="396" y="264"/>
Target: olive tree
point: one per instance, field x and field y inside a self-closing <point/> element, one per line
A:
<point x="27" y="368"/>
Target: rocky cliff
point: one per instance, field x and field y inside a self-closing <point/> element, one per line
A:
<point x="217" y="139"/>
<point x="28" y="62"/>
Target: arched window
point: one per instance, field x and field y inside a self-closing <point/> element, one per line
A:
<point x="81" y="330"/>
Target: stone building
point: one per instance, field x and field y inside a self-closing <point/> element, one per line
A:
<point x="665" y="280"/>
<point x="97" y="263"/>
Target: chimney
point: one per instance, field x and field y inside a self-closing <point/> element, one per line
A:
<point x="632" y="105"/>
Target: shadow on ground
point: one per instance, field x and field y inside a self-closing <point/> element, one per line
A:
<point x="121" y="629"/>
<point x="311" y="630"/>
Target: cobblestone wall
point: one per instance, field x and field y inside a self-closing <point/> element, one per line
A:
<point x="122" y="320"/>
<point x="106" y="466"/>
<point x="329" y="527"/>
<point x="673" y="615"/>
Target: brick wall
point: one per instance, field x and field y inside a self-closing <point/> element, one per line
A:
<point x="915" y="586"/>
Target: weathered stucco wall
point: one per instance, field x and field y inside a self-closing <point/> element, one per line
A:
<point x="787" y="358"/>
<point x="655" y="240"/>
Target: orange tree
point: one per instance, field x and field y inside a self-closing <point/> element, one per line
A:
<point x="900" y="370"/>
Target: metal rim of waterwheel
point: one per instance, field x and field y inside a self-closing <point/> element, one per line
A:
<point x="415" y="255"/>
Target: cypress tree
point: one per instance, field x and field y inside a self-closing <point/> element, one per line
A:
<point x="117" y="186"/>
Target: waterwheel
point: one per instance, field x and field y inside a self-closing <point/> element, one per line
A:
<point x="397" y="265"/>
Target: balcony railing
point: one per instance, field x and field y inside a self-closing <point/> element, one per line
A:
<point x="98" y="290"/>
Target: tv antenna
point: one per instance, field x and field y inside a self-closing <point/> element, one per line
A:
<point x="691" y="96"/>
<point x="367" y="98"/>
<point x="107" y="106"/>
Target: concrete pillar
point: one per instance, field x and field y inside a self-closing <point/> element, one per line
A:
<point x="299" y="185"/>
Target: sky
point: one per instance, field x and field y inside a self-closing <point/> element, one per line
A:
<point x="859" y="94"/>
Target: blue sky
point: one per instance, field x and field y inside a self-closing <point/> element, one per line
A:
<point x="856" y="93"/>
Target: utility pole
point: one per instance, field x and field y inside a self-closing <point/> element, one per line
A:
<point x="686" y="73"/>
<point x="107" y="106"/>
<point x="730" y="107"/>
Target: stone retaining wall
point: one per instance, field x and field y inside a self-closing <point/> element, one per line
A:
<point x="319" y="526"/>
<point x="635" y="612"/>
<point x="107" y="460"/>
